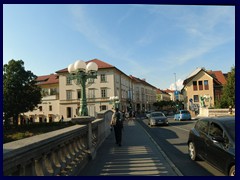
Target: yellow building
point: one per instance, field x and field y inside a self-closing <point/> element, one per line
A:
<point x="202" y="88"/>
<point x="48" y="110"/>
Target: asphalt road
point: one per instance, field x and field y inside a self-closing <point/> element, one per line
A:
<point x="173" y="141"/>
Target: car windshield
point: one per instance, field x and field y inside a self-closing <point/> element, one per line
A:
<point x="156" y="114"/>
<point x="230" y="127"/>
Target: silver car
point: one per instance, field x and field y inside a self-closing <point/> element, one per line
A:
<point x="157" y="118"/>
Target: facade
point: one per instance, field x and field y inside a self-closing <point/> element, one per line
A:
<point x="48" y="110"/>
<point x="62" y="98"/>
<point x="144" y="94"/>
<point x="202" y="88"/>
<point x="172" y="94"/>
<point x="162" y="95"/>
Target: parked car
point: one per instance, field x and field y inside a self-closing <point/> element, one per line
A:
<point x="182" y="115"/>
<point x="213" y="140"/>
<point x="157" y="118"/>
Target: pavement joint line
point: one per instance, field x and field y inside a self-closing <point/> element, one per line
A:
<point x="175" y="169"/>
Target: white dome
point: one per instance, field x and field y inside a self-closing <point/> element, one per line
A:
<point x="80" y="65"/>
<point x="71" y="68"/>
<point x="92" y="67"/>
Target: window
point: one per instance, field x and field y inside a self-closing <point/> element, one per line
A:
<point x="79" y="94"/>
<point x="103" y="78"/>
<point x="103" y="108"/>
<point x="195" y="85"/>
<point x="50" y="108"/>
<point x="215" y="130"/>
<point x="202" y="126"/>
<point x="195" y="98"/>
<point x="69" y="94"/>
<point x="68" y="80"/>
<point x="103" y="92"/>
<point x="206" y="87"/>
<point x="200" y="85"/>
<point x="40" y="108"/>
<point x="91" y="93"/>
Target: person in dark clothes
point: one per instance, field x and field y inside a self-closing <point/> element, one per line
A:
<point x="117" y="124"/>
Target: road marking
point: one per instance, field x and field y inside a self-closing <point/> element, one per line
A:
<point x="177" y="171"/>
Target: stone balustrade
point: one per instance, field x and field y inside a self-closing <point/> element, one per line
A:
<point x="62" y="152"/>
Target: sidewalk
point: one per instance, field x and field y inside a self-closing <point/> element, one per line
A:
<point x="138" y="156"/>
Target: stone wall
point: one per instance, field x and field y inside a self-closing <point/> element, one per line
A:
<point x="58" y="153"/>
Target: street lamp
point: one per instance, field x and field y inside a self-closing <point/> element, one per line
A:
<point x="115" y="100"/>
<point x="81" y="72"/>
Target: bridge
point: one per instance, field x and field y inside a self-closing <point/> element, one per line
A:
<point x="88" y="149"/>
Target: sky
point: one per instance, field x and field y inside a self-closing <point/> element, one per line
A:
<point x="159" y="43"/>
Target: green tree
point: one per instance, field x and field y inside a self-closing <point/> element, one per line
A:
<point x="228" y="96"/>
<point x="20" y="92"/>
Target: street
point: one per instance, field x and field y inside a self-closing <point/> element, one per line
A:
<point x="172" y="139"/>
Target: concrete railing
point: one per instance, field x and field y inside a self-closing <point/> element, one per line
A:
<point x="62" y="152"/>
<point x="215" y="112"/>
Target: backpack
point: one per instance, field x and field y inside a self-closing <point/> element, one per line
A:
<point x="118" y="119"/>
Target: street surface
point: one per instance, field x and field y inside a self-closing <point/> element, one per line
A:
<point x="173" y="141"/>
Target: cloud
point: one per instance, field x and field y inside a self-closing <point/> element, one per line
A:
<point x="179" y="85"/>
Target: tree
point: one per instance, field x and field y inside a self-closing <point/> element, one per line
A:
<point x="20" y="92"/>
<point x="228" y="96"/>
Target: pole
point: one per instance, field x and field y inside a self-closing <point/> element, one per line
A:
<point x="175" y="81"/>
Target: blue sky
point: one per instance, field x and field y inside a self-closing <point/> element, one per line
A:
<point x="146" y="41"/>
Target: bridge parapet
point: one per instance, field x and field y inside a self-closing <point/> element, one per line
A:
<point x="62" y="152"/>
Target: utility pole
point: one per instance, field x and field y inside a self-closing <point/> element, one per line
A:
<point x="175" y="82"/>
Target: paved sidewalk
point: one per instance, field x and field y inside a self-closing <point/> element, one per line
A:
<point x="138" y="156"/>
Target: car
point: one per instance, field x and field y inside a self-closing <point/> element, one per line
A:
<point x="157" y="118"/>
<point x="182" y="115"/>
<point x="213" y="139"/>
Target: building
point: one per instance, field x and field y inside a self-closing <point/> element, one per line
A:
<point x="48" y="110"/>
<point x="174" y="95"/>
<point x="144" y="94"/>
<point x="61" y="96"/>
<point x="202" y="88"/>
<point x="162" y="95"/>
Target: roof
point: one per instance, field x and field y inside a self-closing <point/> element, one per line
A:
<point x="159" y="91"/>
<point x="47" y="79"/>
<point x="101" y="65"/>
<point x="217" y="76"/>
<point x="143" y="81"/>
<point x="169" y="91"/>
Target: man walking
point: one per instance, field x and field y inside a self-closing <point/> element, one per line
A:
<point x="117" y="124"/>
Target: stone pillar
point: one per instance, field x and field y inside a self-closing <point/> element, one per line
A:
<point x="88" y="121"/>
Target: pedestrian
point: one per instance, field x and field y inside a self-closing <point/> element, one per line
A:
<point x="61" y="120"/>
<point x="117" y="124"/>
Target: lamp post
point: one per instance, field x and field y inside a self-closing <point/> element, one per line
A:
<point x="115" y="100"/>
<point x="81" y="72"/>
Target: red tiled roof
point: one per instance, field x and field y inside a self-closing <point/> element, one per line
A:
<point x="169" y="91"/>
<point x="159" y="91"/>
<point x="101" y="65"/>
<point x="47" y="79"/>
<point x="219" y="76"/>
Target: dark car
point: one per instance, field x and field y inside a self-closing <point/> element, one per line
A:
<point x="213" y="140"/>
<point x="157" y="118"/>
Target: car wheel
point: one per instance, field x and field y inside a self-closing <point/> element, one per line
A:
<point x="192" y="151"/>
<point x="232" y="171"/>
